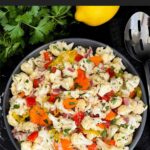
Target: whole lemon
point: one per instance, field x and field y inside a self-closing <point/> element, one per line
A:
<point x="95" y="15"/>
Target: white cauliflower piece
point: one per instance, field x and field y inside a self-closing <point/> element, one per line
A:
<point x="26" y="145"/>
<point x="11" y="120"/>
<point x="69" y="71"/>
<point x="141" y="107"/>
<point x="67" y="83"/>
<point x="106" y="54"/>
<point x="58" y="47"/>
<point x="79" y="141"/>
<point x="39" y="61"/>
<point x="104" y="76"/>
<point x="43" y="141"/>
<point x="86" y="65"/>
<point x="90" y="123"/>
<point x="55" y="77"/>
<point x="21" y="105"/>
<point x="116" y="84"/>
<point x="67" y="124"/>
<point x="27" y="127"/>
<point x="103" y="89"/>
<point x="122" y="139"/>
<point x="81" y="50"/>
<point x="28" y="66"/>
<point x="124" y="110"/>
<point x="112" y="130"/>
<point x="81" y="105"/>
<point x="117" y="64"/>
<point x="120" y="121"/>
<point x="49" y="106"/>
<point x="132" y="83"/>
<point x="21" y="83"/>
<point x="115" y="102"/>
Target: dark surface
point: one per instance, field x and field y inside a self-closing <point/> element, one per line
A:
<point x="111" y="34"/>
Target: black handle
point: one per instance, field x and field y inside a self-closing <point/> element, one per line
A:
<point x="147" y="73"/>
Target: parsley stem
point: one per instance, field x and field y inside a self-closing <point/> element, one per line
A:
<point x="29" y="25"/>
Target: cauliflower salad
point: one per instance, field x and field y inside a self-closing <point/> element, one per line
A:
<point x="70" y="98"/>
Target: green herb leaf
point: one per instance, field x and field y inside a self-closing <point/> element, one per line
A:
<point x="44" y="27"/>
<point x="16" y="106"/>
<point x="15" y="31"/>
<point x="104" y="133"/>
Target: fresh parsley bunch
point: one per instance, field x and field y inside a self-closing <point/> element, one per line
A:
<point x="21" y="26"/>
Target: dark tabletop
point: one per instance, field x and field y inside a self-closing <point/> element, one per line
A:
<point x="111" y="34"/>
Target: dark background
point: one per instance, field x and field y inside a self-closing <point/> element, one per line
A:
<point x="111" y="33"/>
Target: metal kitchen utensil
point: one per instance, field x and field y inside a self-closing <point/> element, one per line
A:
<point x="137" y="41"/>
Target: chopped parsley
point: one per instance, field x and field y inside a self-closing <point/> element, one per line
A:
<point x="27" y="81"/>
<point x="88" y="61"/>
<point x="72" y="103"/>
<point x="66" y="131"/>
<point x="46" y="121"/>
<point x="16" y="106"/>
<point x="113" y="100"/>
<point x="125" y="126"/>
<point x="104" y="134"/>
<point x="113" y="121"/>
<point x="107" y="107"/>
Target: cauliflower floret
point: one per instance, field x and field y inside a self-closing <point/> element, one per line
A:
<point x="18" y="105"/>
<point x="106" y="54"/>
<point x="117" y="64"/>
<point x="124" y="110"/>
<point x="116" y="84"/>
<point x="58" y="47"/>
<point x="43" y="141"/>
<point x="28" y="66"/>
<point x="112" y="130"/>
<point x="115" y="102"/>
<point x="90" y="123"/>
<point x="104" y="88"/>
<point x="26" y="145"/>
<point x="21" y="83"/>
<point x="67" y="83"/>
<point x="79" y="141"/>
<point x="55" y="77"/>
<point x="141" y="107"/>
<point x="81" y="50"/>
<point x="69" y="71"/>
<point x="120" y="121"/>
<point x="122" y="139"/>
<point x="132" y="83"/>
<point x="81" y="105"/>
<point x="49" y="106"/>
<point x="11" y="120"/>
<point x="42" y="90"/>
<point x="104" y="76"/>
<point x="57" y="125"/>
<point x="98" y="109"/>
<point x="103" y="146"/>
<point x="67" y="124"/>
<point x="86" y="65"/>
<point x="39" y="61"/>
<point x="27" y="127"/>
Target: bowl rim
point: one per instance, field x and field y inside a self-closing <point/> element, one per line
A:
<point x="35" y="53"/>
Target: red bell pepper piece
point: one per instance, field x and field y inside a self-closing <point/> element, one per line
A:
<point x="46" y="66"/>
<point x="30" y="101"/>
<point x="36" y="83"/>
<point x="110" y="72"/>
<point x="52" y="98"/>
<point x="53" y="69"/>
<point x="32" y="136"/>
<point x="46" y="56"/>
<point x="78" y="57"/>
<point x="92" y="147"/>
<point x="78" y="117"/>
<point x="108" y="95"/>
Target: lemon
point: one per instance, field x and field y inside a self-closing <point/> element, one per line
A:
<point x="95" y="15"/>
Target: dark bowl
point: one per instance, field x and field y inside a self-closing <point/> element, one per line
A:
<point x="85" y="43"/>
